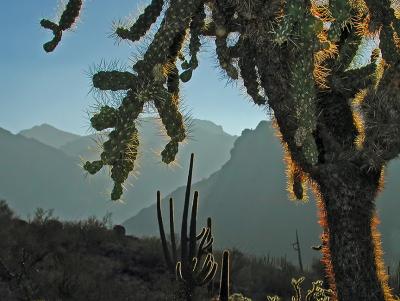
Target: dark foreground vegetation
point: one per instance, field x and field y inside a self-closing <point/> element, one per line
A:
<point x="45" y="259"/>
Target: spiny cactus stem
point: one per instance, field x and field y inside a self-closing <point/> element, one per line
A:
<point x="172" y="229"/>
<point x="162" y="235"/>
<point x="185" y="212"/>
<point x="192" y="235"/>
<point x="224" y="282"/>
<point x="210" y="287"/>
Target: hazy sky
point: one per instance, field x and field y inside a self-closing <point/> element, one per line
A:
<point x="53" y="88"/>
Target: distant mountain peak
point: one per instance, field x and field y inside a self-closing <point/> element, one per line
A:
<point x="49" y="135"/>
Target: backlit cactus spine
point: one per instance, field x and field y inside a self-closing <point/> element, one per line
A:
<point x="196" y="266"/>
<point x="67" y="19"/>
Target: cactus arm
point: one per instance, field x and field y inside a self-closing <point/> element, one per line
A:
<point x="192" y="230"/>
<point x="184" y="238"/>
<point x="223" y="51"/>
<point x="67" y="19"/>
<point x="120" y="150"/>
<point x="176" y="20"/>
<point x="200" y="251"/>
<point x="297" y="288"/>
<point x="172" y="230"/>
<point x="340" y="14"/>
<point x="210" y="286"/>
<point x="196" y="29"/>
<point x="250" y="78"/>
<point x="224" y="282"/>
<point x="143" y="23"/>
<point x="179" y="273"/>
<point x="162" y="235"/>
<point x="114" y="80"/>
<point x="383" y="16"/>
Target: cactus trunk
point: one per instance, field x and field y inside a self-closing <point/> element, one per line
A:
<point x="351" y="245"/>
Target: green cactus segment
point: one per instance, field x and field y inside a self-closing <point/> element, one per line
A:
<point x="176" y="20"/>
<point x="172" y="119"/>
<point x="250" y="78"/>
<point x="303" y="92"/>
<point x="341" y="12"/>
<point x="222" y="49"/>
<point x="143" y="23"/>
<point x="51" y="45"/>
<point x="383" y="15"/>
<point x="173" y="74"/>
<point x="93" y="167"/>
<point x="348" y="50"/>
<point x="68" y="18"/>
<point x="106" y="118"/>
<point x="114" y="80"/>
<point x="196" y="26"/>
<point x="120" y="150"/>
<point x="70" y="14"/>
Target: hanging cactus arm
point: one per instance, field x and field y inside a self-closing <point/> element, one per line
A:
<point x="173" y="121"/>
<point x="68" y="18"/>
<point x="120" y="150"/>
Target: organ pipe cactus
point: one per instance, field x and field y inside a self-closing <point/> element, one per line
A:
<point x="196" y="266"/>
<point x="339" y="122"/>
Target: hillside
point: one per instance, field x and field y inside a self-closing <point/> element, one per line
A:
<point x="248" y="202"/>
<point x="48" y="135"/>
<point x="33" y="175"/>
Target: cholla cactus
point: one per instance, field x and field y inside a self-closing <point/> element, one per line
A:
<point x="67" y="19"/>
<point x="339" y="125"/>
<point x="316" y="293"/>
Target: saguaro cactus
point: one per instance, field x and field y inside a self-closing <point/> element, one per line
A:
<point x="196" y="265"/>
<point x="338" y="121"/>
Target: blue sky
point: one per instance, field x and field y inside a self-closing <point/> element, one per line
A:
<point x="53" y="88"/>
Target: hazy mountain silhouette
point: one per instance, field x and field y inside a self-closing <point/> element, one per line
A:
<point x="34" y="175"/>
<point x="49" y="135"/>
<point x="250" y="208"/>
<point x="209" y="141"/>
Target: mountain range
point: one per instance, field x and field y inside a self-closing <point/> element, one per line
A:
<point x="250" y="209"/>
<point x="41" y="167"/>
